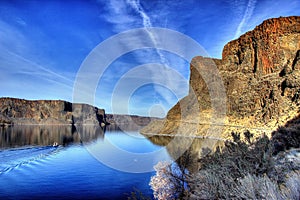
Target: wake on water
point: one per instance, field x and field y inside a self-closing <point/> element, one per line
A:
<point x="13" y="158"/>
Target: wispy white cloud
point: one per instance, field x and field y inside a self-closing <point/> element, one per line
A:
<point x="165" y="90"/>
<point x="23" y="77"/>
<point x="135" y="4"/>
<point x="118" y="14"/>
<point x="132" y="15"/>
<point x="272" y="9"/>
<point x="155" y="74"/>
<point x="247" y="15"/>
<point x="11" y="38"/>
<point x="34" y="68"/>
<point x="35" y="47"/>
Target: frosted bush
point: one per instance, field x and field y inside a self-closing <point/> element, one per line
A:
<point x="162" y="183"/>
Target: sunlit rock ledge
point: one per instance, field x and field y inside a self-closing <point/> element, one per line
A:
<point x="261" y="74"/>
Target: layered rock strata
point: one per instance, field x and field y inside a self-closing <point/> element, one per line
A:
<point x="260" y="72"/>
<point x="48" y="112"/>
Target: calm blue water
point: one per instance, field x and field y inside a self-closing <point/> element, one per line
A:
<point x="71" y="171"/>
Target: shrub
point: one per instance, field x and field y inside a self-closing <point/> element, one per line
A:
<point x="162" y="184"/>
<point x="261" y="169"/>
<point x="169" y="181"/>
<point x="288" y="136"/>
<point x="246" y="171"/>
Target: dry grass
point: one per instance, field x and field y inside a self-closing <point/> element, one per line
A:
<point x="261" y="169"/>
<point x="249" y="170"/>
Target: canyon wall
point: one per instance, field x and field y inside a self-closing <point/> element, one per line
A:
<point x="127" y="122"/>
<point x="261" y="74"/>
<point x="48" y="112"/>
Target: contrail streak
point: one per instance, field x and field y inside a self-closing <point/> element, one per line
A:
<point x="135" y="4"/>
<point x="246" y="17"/>
<point x="39" y="66"/>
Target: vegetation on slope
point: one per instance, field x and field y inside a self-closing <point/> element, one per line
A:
<point x="261" y="169"/>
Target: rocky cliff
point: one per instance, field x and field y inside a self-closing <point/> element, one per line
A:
<point x="127" y="122"/>
<point x="48" y="112"/>
<point x="261" y="75"/>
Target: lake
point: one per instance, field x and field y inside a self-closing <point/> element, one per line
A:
<point x="88" y="163"/>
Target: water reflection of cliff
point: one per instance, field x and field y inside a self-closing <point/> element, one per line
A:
<point x="16" y="136"/>
<point x="187" y="150"/>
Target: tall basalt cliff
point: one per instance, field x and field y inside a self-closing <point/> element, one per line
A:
<point x="261" y="74"/>
<point x="48" y="112"/>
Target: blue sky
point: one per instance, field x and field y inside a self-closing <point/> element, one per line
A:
<point x="43" y="44"/>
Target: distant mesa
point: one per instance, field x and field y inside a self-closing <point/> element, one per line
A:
<point x="261" y="74"/>
<point x="127" y="122"/>
<point x="15" y="111"/>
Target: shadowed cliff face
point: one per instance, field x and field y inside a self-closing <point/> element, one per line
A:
<point x="127" y="122"/>
<point x="261" y="74"/>
<point x="48" y="112"/>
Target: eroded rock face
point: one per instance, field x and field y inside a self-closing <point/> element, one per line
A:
<point x="127" y="122"/>
<point x="261" y="74"/>
<point x="48" y="112"/>
<point x="267" y="49"/>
